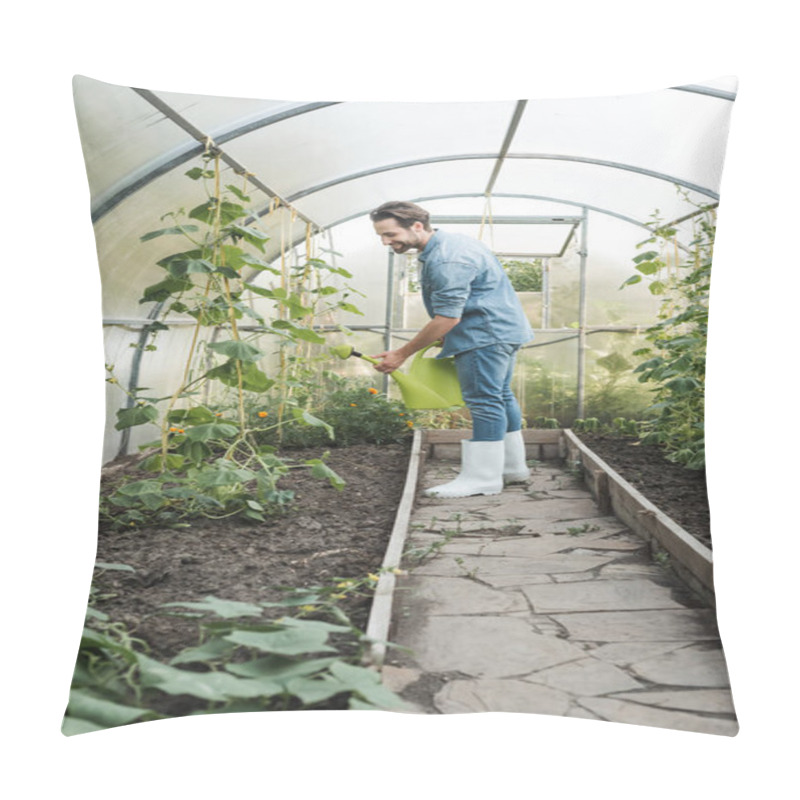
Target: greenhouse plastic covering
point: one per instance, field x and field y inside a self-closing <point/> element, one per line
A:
<point x="521" y="175"/>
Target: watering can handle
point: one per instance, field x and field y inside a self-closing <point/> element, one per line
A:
<point x="421" y="353"/>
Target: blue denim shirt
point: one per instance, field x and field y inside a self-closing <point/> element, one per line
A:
<point x="461" y="277"/>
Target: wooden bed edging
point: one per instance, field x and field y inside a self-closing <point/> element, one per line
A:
<point x="691" y="560"/>
<point x="380" y="615"/>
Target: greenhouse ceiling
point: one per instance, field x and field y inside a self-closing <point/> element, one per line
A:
<point x="314" y="165"/>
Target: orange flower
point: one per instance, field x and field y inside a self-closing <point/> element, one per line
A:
<point x="353" y="405"/>
<point x="181" y="430"/>
<point x="402" y="415"/>
<point x="373" y="391"/>
<point x="410" y="424"/>
<point x="173" y="430"/>
<point x="263" y="414"/>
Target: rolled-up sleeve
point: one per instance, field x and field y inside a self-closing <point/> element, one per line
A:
<point x="449" y="288"/>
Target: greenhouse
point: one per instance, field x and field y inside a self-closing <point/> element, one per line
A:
<point x="246" y="288"/>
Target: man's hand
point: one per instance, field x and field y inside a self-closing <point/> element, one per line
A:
<point x="392" y="359"/>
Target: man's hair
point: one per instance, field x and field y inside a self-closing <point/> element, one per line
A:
<point x="406" y="214"/>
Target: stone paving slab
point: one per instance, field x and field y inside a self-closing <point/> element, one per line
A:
<point x="647" y="626"/>
<point x="626" y="653"/>
<point x="462" y="596"/>
<point x="712" y="701"/>
<point x="533" y="601"/>
<point x="493" y="565"/>
<point x="598" y="523"/>
<point x="600" y="596"/>
<point x="588" y="676"/>
<point x="534" y="511"/>
<point x="615" y="710"/>
<point x="461" y="696"/>
<point x="696" y="665"/>
<point x="484" y="646"/>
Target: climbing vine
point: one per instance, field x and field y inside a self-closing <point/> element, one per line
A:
<point x="209" y="456"/>
<point x="676" y="358"/>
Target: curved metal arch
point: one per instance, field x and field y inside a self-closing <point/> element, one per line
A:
<point x="493" y="156"/>
<point x="171" y="161"/>
<point x="706" y="90"/>
<point x="543" y="198"/>
<point x="162" y="166"/>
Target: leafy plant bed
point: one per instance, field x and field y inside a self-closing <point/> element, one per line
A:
<point x="326" y="538"/>
<point x="677" y="491"/>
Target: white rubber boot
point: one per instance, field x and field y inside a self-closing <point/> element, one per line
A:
<point x="481" y="471"/>
<point x="515" y="469"/>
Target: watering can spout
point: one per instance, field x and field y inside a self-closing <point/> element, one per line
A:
<point x="431" y="383"/>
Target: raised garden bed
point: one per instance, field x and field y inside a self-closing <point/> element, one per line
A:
<point x="329" y="535"/>
<point x="325" y="536"/>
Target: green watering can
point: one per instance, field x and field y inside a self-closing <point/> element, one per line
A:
<point x="429" y="383"/>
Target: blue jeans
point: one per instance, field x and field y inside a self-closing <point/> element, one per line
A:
<point x="485" y="377"/>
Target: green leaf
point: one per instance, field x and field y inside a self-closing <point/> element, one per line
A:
<point x="157" y="463"/>
<point x="196" y="452"/>
<point x="212" y="686"/>
<point x="257" y="263"/>
<point x="260" y="292"/>
<point x="351" y="308"/>
<point x="160" y="291"/>
<point x="315" y="690"/>
<point x="85" y="705"/>
<point x="319" y="469"/>
<point x="228" y="272"/>
<point x="146" y="492"/>
<point x="211" y="430"/>
<point x="207" y="212"/>
<point x="138" y="415"/>
<point x="288" y="642"/>
<point x="197" y="172"/>
<point x="633" y="279"/>
<point x="212" y="650"/>
<point x="366" y="682"/>
<point x="650" y="255"/>
<point x="179" y="268"/>
<point x="119" y="567"/>
<point x="253" y="379"/>
<point x="191" y="416"/>
<point x="657" y="288"/>
<point x="221" y="473"/>
<point x="253" y="236"/>
<point x="238" y="192"/>
<point x="307" y="335"/>
<point x="314" y="625"/>
<point x="175" y="229"/>
<point x="236" y="349"/>
<point x="72" y="726"/>
<point x="228" y="609"/>
<point x="682" y="385"/>
<point x="280" y="668"/>
<point x="649" y="267"/>
<point x="301" y="415"/>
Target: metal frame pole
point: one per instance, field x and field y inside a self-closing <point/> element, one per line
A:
<point x="387" y="334"/>
<point x="582" y="315"/>
<point x="545" y="292"/>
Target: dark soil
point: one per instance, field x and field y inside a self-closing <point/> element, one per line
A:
<point x="679" y="492"/>
<point x="326" y="534"/>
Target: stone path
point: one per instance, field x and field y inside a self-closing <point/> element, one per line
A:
<point x="530" y="601"/>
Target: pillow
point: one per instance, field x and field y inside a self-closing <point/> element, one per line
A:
<point x="268" y="535"/>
